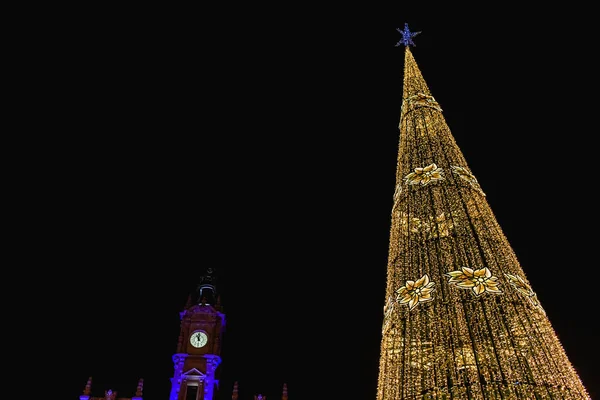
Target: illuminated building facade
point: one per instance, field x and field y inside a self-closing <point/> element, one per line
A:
<point x="198" y="353"/>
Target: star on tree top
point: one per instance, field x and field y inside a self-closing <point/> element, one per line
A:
<point x="407" y="36"/>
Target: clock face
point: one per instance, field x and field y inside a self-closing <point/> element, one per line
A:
<point x="198" y="339"/>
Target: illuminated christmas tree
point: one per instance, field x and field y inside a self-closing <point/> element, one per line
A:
<point x="461" y="320"/>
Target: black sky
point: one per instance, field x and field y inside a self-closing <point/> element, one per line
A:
<point x="265" y="147"/>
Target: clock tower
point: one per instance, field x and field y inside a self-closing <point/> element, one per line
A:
<point x="198" y="353"/>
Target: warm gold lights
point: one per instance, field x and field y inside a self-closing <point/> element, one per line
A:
<point x="461" y="321"/>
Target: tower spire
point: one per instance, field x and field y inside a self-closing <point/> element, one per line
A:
<point x="139" y="390"/>
<point x="234" y="394"/>
<point x="88" y="387"/>
<point x="461" y="320"/>
<point x="207" y="288"/>
<point x="87" y="392"/>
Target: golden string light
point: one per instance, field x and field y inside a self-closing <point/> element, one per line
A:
<point x="461" y="320"/>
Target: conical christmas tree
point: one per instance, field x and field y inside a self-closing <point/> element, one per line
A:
<point x="461" y="320"/>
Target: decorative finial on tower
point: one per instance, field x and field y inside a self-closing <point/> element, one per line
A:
<point x="188" y="303"/>
<point x="234" y="395"/>
<point x="284" y="396"/>
<point x="140" y="388"/>
<point x="88" y="387"/>
<point x="207" y="287"/>
<point x="208" y="277"/>
<point x="407" y="36"/>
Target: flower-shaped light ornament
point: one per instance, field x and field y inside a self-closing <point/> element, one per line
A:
<point x="479" y="280"/>
<point x="413" y="293"/>
<point x="423" y="176"/>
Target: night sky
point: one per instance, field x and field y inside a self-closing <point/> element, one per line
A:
<point x="265" y="148"/>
